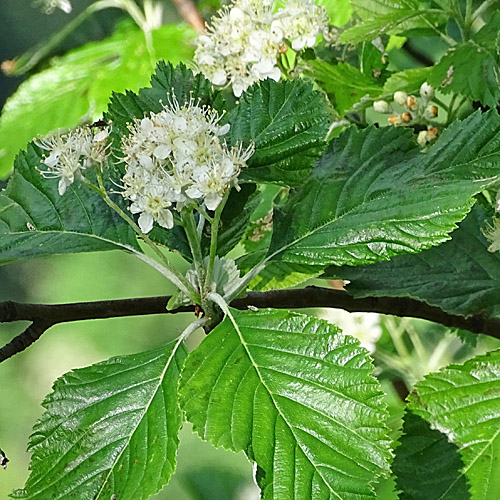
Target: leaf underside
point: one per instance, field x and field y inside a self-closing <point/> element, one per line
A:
<point x="109" y="429"/>
<point x="297" y="396"/>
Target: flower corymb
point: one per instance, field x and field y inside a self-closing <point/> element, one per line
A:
<point x="73" y="152"/>
<point x="243" y="44"/>
<point x="177" y="156"/>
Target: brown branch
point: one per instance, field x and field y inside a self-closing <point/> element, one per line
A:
<point x="187" y="9"/>
<point x="44" y="316"/>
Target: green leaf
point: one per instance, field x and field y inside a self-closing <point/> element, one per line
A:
<point x="36" y="220"/>
<point x="408" y="81"/>
<point x="109" y="430"/>
<point x="426" y="465"/>
<point x="374" y="194"/>
<point x="383" y="17"/>
<point x="345" y="83"/>
<point x="339" y="11"/>
<point x="288" y="122"/>
<point x="463" y="402"/>
<point x="167" y="79"/>
<point x="460" y="276"/>
<point x="469" y="70"/>
<point x="297" y="396"/>
<point x="80" y="83"/>
<point x="276" y="274"/>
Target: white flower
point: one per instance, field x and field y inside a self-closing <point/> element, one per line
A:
<point x="364" y="326"/>
<point x="177" y="157"/>
<point x="244" y="42"/>
<point x="73" y="152"/>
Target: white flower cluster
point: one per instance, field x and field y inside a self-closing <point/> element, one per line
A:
<point x="73" y="152"/>
<point x="177" y="156"/>
<point x="245" y="40"/>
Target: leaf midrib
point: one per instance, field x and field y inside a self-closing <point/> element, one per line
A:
<point x="276" y="406"/>
<point x="160" y="382"/>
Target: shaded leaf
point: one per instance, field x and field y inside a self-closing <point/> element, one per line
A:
<point x="469" y="70"/>
<point x="297" y="396"/>
<point x="373" y="194"/>
<point x="460" y="276"/>
<point x="426" y="465"/>
<point x="463" y="402"/>
<point x="36" y="220"/>
<point x="109" y="430"/>
<point x="345" y="83"/>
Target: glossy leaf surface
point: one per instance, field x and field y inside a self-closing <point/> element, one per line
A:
<point x="297" y="396"/>
<point x="109" y="430"/>
<point x="36" y="220"/>
<point x="463" y="402"/>
<point x="461" y="276"/>
<point x="288" y="122"/>
<point x="373" y="194"/>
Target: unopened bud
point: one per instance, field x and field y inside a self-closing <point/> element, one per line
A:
<point x="430" y="112"/>
<point x="394" y="120"/>
<point x="400" y="97"/>
<point x="432" y="133"/>
<point x="411" y="103"/>
<point x="381" y="107"/>
<point x="422" y="138"/>
<point x="406" y="117"/>
<point x="426" y="91"/>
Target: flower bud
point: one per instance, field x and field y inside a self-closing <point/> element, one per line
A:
<point x="430" y="112"/>
<point x="406" y="117"/>
<point x="422" y="138"/>
<point x="381" y="107"/>
<point x="400" y="97"/>
<point x="411" y="103"/>
<point x="432" y="133"/>
<point x="426" y="92"/>
<point x="394" y="120"/>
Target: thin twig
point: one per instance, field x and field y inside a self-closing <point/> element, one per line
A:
<point x="187" y="9"/>
<point x="44" y="316"/>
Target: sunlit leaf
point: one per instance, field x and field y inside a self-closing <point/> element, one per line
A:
<point x="297" y="396"/>
<point x="374" y="194"/>
<point x="461" y="276"/>
<point x="109" y="430"/>
<point x="463" y="402"/>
